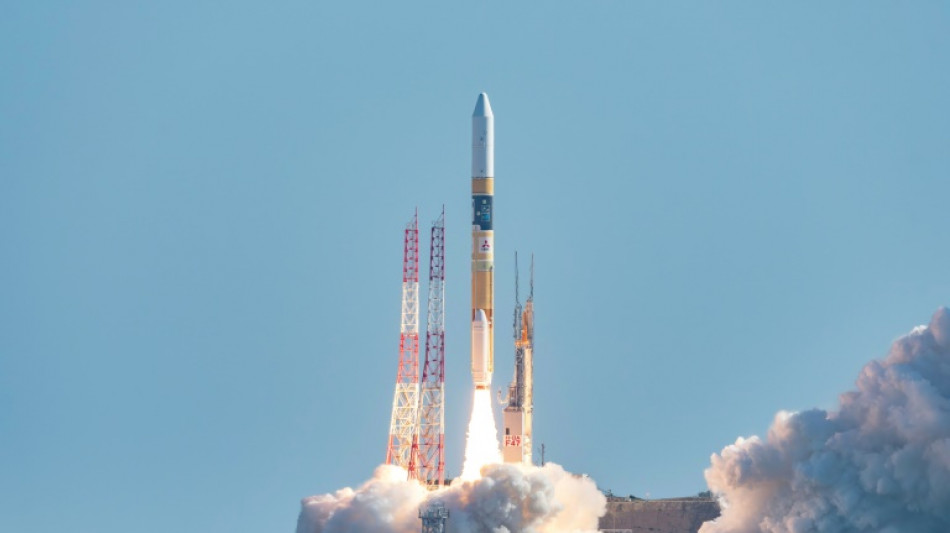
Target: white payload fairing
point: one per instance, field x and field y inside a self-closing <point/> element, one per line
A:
<point x="483" y="243"/>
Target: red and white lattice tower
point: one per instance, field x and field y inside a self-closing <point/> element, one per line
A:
<point x="427" y="463"/>
<point x="402" y="427"/>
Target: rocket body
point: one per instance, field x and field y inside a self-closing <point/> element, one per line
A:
<point x="483" y="242"/>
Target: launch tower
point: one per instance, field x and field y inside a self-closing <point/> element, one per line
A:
<point x="518" y="415"/>
<point x="405" y="413"/>
<point x="427" y="461"/>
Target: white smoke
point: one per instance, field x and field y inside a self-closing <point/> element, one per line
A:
<point x="880" y="463"/>
<point x="506" y="499"/>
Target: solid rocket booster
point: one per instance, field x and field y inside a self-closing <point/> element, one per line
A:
<point x="481" y="369"/>
<point x="483" y="243"/>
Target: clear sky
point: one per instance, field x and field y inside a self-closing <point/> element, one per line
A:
<point x="733" y="206"/>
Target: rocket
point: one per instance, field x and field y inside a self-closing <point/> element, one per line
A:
<point x="483" y="243"/>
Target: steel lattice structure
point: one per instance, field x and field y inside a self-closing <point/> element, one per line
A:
<point x="434" y="517"/>
<point x="519" y="414"/>
<point x="405" y="414"/>
<point x="427" y="463"/>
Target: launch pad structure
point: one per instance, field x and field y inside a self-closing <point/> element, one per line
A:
<point x="417" y="425"/>
<point x="427" y="458"/>
<point x="433" y="518"/>
<point x="519" y="413"/>
<point x="405" y="412"/>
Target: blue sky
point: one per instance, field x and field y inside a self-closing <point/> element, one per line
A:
<point x="733" y="206"/>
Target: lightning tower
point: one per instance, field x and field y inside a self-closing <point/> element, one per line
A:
<point x="519" y="414"/>
<point x="405" y="414"/>
<point x="427" y="461"/>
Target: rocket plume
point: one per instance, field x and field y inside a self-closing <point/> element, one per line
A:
<point x="880" y="463"/>
<point x="481" y="443"/>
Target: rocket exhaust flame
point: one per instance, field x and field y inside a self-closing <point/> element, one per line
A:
<point x="481" y="444"/>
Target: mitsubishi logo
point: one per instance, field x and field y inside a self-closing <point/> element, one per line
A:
<point x="485" y="245"/>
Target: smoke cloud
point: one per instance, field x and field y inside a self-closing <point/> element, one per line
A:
<point x="506" y="499"/>
<point x="880" y="463"/>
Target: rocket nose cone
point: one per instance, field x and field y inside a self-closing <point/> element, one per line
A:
<point x="482" y="106"/>
<point x="480" y="316"/>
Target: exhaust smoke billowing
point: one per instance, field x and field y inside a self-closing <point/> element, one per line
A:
<point x="506" y="499"/>
<point x="880" y="463"/>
